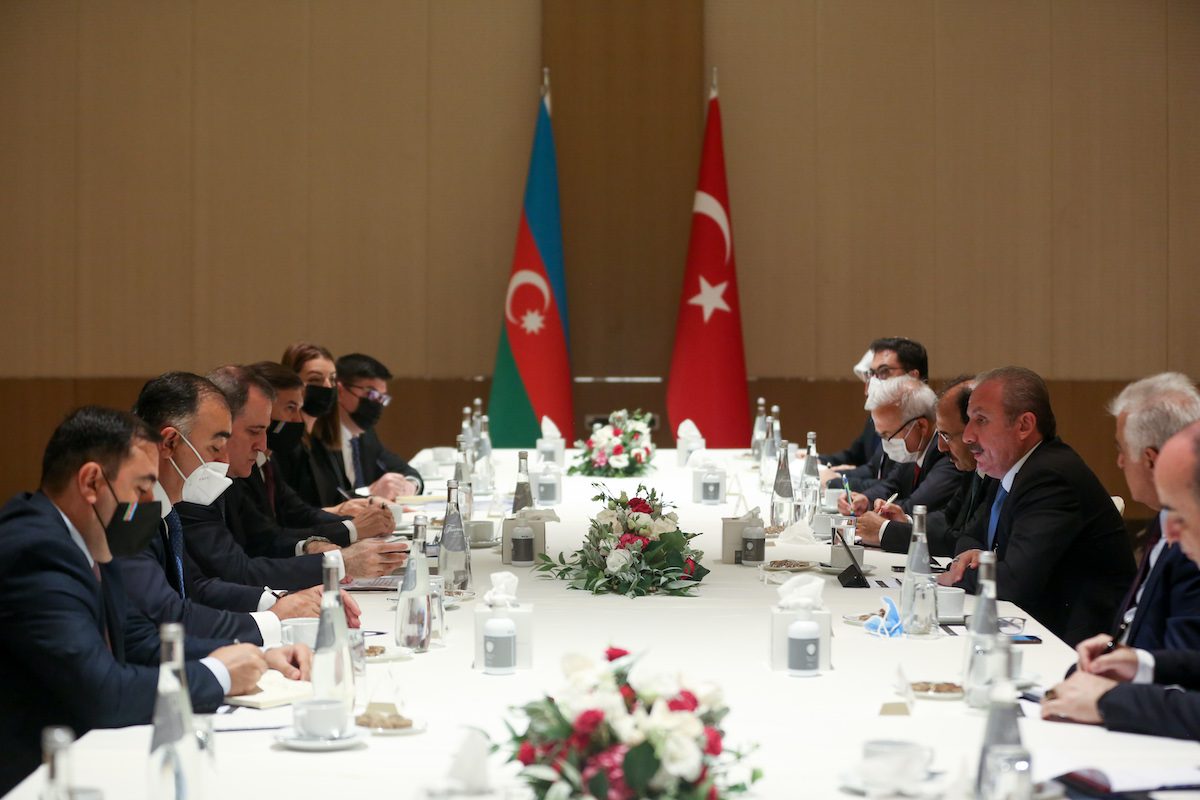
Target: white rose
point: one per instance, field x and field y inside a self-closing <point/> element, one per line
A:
<point x="681" y="757"/>
<point x="652" y="686"/>
<point x="607" y="517"/>
<point x="601" y="436"/>
<point x="619" y="462"/>
<point x="628" y="728"/>
<point x="663" y="525"/>
<point x="618" y="561"/>
<point x="637" y="520"/>
<point x="709" y="696"/>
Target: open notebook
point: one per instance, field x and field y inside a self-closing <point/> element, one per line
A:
<point x="273" y="690"/>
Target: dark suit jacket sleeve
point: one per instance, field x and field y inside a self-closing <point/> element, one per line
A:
<point x="218" y="593"/>
<point x="894" y="481"/>
<point x="897" y="535"/>
<point x="299" y="520"/>
<point x="150" y="594"/>
<point x="1045" y="521"/>
<point x="1183" y="601"/>
<point x="211" y="544"/>
<point x="1179" y="667"/>
<point x="859" y="451"/>
<point x="1152" y="709"/>
<point x="936" y="488"/>
<point x="381" y="460"/>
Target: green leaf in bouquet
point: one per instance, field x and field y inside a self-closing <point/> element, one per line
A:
<point x="700" y="571"/>
<point x="539" y="772"/>
<point x="598" y="785"/>
<point x="674" y="540"/>
<point x="640" y="765"/>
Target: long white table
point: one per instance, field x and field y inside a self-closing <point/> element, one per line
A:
<point x="807" y="730"/>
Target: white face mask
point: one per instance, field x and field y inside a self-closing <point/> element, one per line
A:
<point x="160" y="494"/>
<point x="897" y="451"/>
<point x="207" y="481"/>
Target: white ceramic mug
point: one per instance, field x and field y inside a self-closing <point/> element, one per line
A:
<point x="480" y="530"/>
<point x="321" y="719"/>
<point x="300" y="630"/>
<point x="839" y="559"/>
<point x="950" y="601"/>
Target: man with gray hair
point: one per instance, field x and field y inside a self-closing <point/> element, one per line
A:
<point x="1161" y="610"/>
<point x="903" y="411"/>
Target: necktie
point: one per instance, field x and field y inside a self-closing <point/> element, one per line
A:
<point x="1152" y="536"/>
<point x="916" y="475"/>
<point x="175" y="535"/>
<point x="96" y="572"/>
<point x="995" y="518"/>
<point x="356" y="458"/>
<point x="268" y="476"/>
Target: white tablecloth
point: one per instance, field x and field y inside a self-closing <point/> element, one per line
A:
<point x="808" y="730"/>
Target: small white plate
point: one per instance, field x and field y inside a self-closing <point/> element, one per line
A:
<point x="416" y="728"/>
<point x="867" y="569"/>
<point x="959" y="695"/>
<point x="853" y="619"/>
<point x="852" y="781"/>
<point x="288" y="738"/>
<point x="804" y="565"/>
<point x="481" y="545"/>
<point x="392" y="653"/>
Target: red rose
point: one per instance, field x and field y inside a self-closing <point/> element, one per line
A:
<point x="613" y="653"/>
<point x="712" y="793"/>
<point x="526" y="753"/>
<point x="616" y="431"/>
<point x="587" y="722"/>
<point x="639" y="504"/>
<point x="618" y="448"/>
<point x="712" y="744"/>
<point x="589" y="444"/>
<point x="611" y="763"/>
<point x="686" y="701"/>
<point x="689" y="567"/>
<point x="628" y="695"/>
<point x="639" y="456"/>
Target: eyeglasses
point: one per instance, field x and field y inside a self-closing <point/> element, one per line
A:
<point x="1007" y="624"/>
<point x="948" y="437"/>
<point x="383" y="398"/>
<point x="883" y="372"/>
<point x="898" y="430"/>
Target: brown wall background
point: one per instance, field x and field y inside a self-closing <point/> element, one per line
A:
<point x="189" y="182"/>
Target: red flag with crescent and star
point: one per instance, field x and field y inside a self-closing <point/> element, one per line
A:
<point x="707" y="383"/>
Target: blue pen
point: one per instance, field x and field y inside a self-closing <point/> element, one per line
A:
<point x="849" y="499"/>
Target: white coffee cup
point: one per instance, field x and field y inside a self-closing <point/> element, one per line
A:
<point x="822" y="524"/>
<point x="840" y="560"/>
<point x="300" y="630"/>
<point x="480" y="530"/>
<point x="397" y="514"/>
<point x="831" y="496"/>
<point x="321" y="719"/>
<point x="950" y="601"/>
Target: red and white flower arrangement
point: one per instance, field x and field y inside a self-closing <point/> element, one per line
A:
<point x="620" y="449"/>
<point x="612" y="735"/>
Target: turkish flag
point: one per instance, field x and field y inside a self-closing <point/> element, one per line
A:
<point x="708" y="367"/>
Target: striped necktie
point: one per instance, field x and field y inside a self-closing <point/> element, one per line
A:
<point x="1001" y="493"/>
<point x="175" y="535"/>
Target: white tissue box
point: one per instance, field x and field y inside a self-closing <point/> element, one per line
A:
<point x="522" y="616"/>
<point x="553" y="450"/>
<point x="685" y="447"/>
<point x="698" y="484"/>
<point x="731" y="537"/>
<point x="506" y="532"/>
<point x="782" y="618"/>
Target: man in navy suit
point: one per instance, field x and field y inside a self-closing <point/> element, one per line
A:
<point x="1062" y="553"/>
<point x="1139" y="691"/>
<point x="71" y="651"/>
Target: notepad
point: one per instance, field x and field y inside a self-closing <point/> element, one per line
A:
<point x="273" y="690"/>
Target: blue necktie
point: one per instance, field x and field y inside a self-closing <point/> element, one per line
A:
<point x="995" y="518"/>
<point x="175" y="533"/>
<point x="356" y="457"/>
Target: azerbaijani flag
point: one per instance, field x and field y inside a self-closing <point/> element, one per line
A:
<point x="532" y="378"/>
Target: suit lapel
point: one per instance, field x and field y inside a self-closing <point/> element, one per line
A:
<point x="1150" y="585"/>
<point x="112" y="612"/>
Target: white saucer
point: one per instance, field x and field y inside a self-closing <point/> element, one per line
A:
<point x="393" y="653"/>
<point x="851" y="780"/>
<point x="481" y="545"/>
<point x="417" y="728"/>
<point x="959" y="620"/>
<point x="867" y="569"/>
<point x="288" y="738"/>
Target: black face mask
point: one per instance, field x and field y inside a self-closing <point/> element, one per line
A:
<point x="318" y="400"/>
<point x="367" y="414"/>
<point x="283" y="437"/>
<point x="132" y="525"/>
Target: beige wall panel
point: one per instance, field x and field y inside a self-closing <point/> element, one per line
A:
<point x="368" y="156"/>
<point x="38" y="104"/>
<point x="876" y="169"/>
<point x="629" y="98"/>
<point x="135" y="190"/>
<point x="1110" y="188"/>
<point x="485" y="70"/>
<point x="1183" y="82"/>
<point x="994" y="221"/>
<point x="251" y="179"/>
<point x="766" y="55"/>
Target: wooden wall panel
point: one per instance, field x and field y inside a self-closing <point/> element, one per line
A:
<point x="368" y="161"/>
<point x="251" y="179"/>
<point x="629" y="97"/>
<point x="767" y="62"/>
<point x="1183" y="133"/>
<point x="39" y="192"/>
<point x="876" y="169"/>
<point x="134" y="288"/>
<point x="994" y="151"/>
<point x="1110" y="188"/>
<point x="485" y="70"/>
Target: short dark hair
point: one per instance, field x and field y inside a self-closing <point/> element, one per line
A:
<point x="91" y="433"/>
<point x="173" y="399"/>
<point x="911" y="354"/>
<point x="964" y="396"/>
<point x="280" y="377"/>
<point x="358" y="365"/>
<point x="1024" y="390"/>
<point x="235" y="381"/>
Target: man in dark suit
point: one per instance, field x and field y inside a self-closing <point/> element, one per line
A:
<point x="903" y="410"/>
<point x="71" y="650"/>
<point x="217" y="534"/>
<point x="362" y="395"/>
<point x="191" y="416"/>
<point x="1139" y="691"/>
<point x="1061" y="549"/>
<point x="943" y="526"/>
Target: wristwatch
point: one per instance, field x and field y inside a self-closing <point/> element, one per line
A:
<point x="279" y="594"/>
<point x="310" y="540"/>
